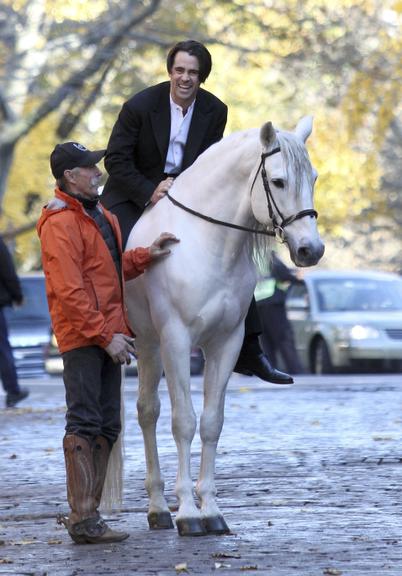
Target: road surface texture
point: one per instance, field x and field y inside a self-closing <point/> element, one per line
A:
<point x="309" y="480"/>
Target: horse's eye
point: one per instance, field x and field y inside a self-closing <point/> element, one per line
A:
<point x="278" y="182"/>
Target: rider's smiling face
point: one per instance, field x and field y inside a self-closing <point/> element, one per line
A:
<point x="184" y="79"/>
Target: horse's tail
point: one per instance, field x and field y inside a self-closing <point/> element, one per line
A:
<point x="112" y="495"/>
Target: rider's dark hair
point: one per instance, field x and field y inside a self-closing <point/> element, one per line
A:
<point x="193" y="48"/>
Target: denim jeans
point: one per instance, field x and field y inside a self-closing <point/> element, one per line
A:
<point x="93" y="387"/>
<point x="8" y="372"/>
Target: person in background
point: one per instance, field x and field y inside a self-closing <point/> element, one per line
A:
<point x="85" y="270"/>
<point x="10" y="294"/>
<point x="277" y="334"/>
<point x="159" y="133"/>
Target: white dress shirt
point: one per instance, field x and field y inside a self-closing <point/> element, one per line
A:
<point x="179" y="127"/>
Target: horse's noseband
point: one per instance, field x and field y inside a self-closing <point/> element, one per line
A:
<point x="278" y="226"/>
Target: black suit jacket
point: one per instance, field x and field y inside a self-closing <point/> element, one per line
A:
<point x="136" y="153"/>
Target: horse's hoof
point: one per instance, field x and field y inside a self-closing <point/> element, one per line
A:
<point x="160" y="521"/>
<point x="216" y="525"/>
<point x="190" y="527"/>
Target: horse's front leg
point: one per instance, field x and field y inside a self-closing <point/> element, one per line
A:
<point x="176" y="360"/>
<point x="148" y="406"/>
<point x="220" y="359"/>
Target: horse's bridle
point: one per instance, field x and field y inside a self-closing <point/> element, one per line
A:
<point x="278" y="227"/>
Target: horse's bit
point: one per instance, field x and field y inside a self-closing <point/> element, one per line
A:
<point x="278" y="228"/>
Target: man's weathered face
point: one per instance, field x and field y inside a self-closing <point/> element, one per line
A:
<point x="84" y="181"/>
<point x="184" y="79"/>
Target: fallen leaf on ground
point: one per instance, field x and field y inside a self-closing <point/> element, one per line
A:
<point x="181" y="568"/>
<point x="6" y="561"/>
<point x="250" y="567"/>
<point x="332" y="572"/>
<point x="55" y="542"/>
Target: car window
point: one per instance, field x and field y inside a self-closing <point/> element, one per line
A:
<point x="350" y="294"/>
<point x="35" y="303"/>
<point x="297" y="296"/>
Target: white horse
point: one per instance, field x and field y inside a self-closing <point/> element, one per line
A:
<point x="200" y="294"/>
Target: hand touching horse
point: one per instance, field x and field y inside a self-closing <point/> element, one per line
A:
<point x="199" y="296"/>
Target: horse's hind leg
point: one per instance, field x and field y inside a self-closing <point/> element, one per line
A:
<point x="148" y="406"/>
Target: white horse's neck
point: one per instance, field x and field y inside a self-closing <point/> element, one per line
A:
<point x="218" y="185"/>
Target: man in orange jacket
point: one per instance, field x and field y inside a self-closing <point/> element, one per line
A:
<point x="85" y="271"/>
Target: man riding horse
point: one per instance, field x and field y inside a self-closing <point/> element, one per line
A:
<point x="159" y="133"/>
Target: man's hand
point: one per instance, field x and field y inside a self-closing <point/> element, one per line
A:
<point x="161" y="190"/>
<point x="158" y="249"/>
<point x="120" y="348"/>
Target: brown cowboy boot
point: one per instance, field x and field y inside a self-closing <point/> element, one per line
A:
<point x="101" y="453"/>
<point x="84" y="525"/>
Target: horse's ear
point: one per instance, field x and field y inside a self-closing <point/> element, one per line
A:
<point x="304" y="127"/>
<point x="268" y="135"/>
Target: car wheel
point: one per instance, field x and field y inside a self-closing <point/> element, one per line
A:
<point x="321" y="359"/>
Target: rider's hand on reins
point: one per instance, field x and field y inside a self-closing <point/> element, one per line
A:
<point x="161" y="190"/>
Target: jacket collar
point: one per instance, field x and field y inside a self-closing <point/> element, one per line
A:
<point x="68" y="200"/>
<point x="160" y="120"/>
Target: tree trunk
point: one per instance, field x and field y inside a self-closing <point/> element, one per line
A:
<point x="6" y="161"/>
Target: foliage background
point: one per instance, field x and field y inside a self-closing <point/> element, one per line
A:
<point x="67" y="67"/>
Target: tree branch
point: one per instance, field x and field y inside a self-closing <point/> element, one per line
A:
<point x="13" y="132"/>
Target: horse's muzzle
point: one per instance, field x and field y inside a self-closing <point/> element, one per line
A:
<point x="308" y="253"/>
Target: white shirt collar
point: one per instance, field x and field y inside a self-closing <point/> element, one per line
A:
<point x="177" y="107"/>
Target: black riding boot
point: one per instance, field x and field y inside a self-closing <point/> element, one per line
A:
<point x="253" y="362"/>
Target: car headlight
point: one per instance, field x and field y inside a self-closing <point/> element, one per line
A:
<point x="358" y="332"/>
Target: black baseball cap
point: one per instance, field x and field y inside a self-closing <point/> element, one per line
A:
<point x="72" y="155"/>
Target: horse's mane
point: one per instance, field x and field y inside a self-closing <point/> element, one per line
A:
<point x="295" y="154"/>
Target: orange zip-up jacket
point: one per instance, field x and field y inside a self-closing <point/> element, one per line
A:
<point x="85" y="295"/>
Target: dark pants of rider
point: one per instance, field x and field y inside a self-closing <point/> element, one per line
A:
<point x="277" y="336"/>
<point x="252" y="329"/>
<point x="8" y="372"/>
<point x="93" y="393"/>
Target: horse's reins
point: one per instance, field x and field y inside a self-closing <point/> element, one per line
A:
<point x="270" y="201"/>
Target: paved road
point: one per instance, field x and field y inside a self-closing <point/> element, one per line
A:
<point x="309" y="481"/>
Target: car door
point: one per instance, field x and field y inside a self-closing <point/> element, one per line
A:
<point x="299" y="315"/>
